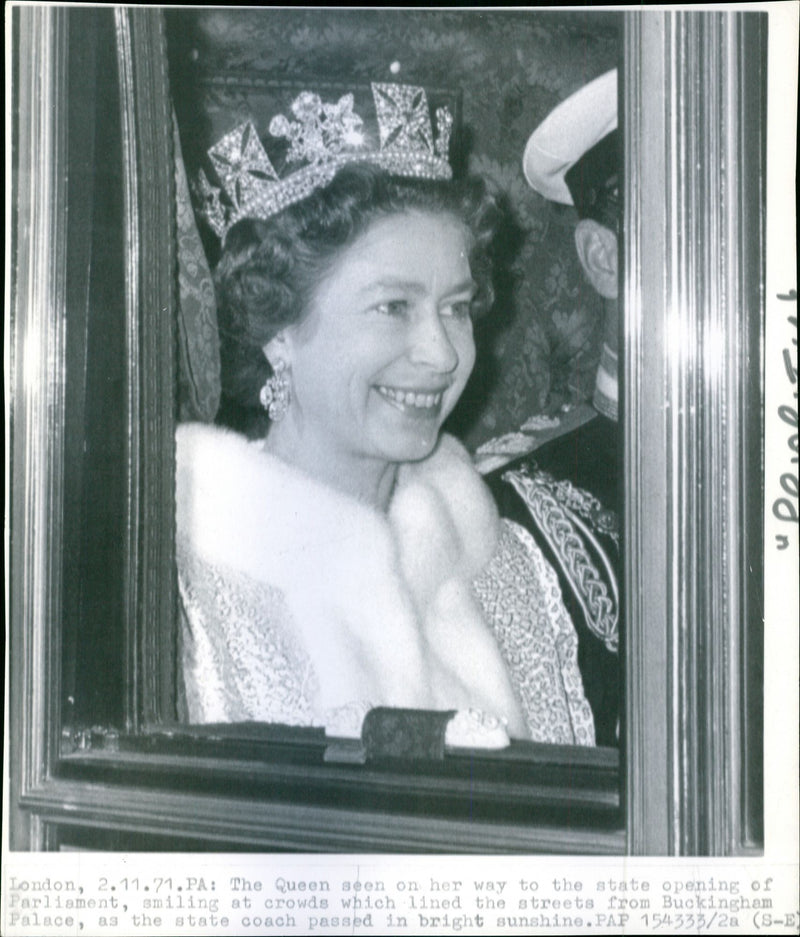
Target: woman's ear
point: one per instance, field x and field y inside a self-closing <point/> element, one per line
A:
<point x="597" y="251"/>
<point x="277" y="349"/>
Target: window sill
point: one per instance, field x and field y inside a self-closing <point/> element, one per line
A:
<point x="255" y="788"/>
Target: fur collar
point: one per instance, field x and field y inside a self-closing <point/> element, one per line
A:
<point x="235" y="499"/>
<point x="375" y="597"/>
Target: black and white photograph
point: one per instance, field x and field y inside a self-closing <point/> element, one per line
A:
<point x="402" y="475"/>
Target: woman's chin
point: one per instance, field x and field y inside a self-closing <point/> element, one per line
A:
<point x="410" y="433"/>
<point x="411" y="447"/>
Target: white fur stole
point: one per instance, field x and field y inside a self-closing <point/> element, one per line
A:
<point x="382" y="603"/>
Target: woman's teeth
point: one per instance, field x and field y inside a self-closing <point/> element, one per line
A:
<point x="411" y="399"/>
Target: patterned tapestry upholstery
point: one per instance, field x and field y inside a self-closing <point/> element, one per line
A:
<point x="198" y="345"/>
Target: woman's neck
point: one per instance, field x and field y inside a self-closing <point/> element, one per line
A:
<point x="370" y="481"/>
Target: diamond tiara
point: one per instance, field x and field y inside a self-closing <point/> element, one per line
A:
<point x="324" y="137"/>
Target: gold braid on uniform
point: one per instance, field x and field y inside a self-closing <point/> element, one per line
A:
<point x="567" y="533"/>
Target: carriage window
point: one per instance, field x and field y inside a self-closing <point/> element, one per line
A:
<point x="235" y="107"/>
<point x="558" y="385"/>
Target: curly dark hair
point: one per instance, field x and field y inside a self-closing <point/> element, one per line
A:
<point x="269" y="269"/>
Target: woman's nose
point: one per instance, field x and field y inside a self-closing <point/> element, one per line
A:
<point x="430" y="345"/>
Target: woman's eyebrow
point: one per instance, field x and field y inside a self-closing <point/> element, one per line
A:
<point x="413" y="286"/>
<point x="466" y="286"/>
<point x="393" y="283"/>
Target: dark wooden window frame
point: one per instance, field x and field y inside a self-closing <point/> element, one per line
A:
<point x="693" y="260"/>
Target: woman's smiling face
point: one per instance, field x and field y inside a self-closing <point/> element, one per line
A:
<point x="386" y="347"/>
